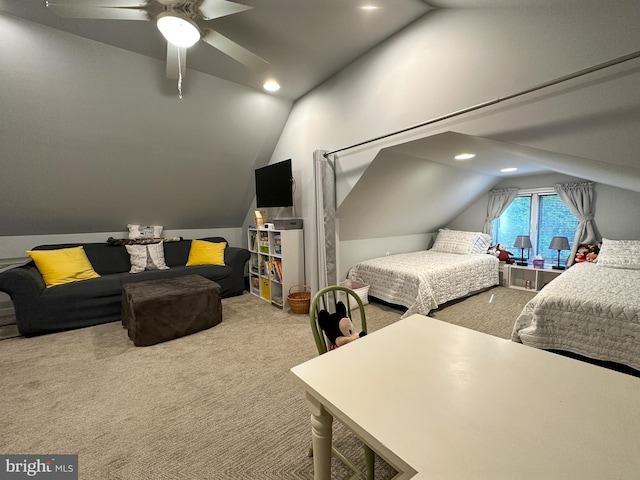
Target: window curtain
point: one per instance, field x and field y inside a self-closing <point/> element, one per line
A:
<point x="580" y="200"/>
<point x="499" y="200"/>
<point x="325" y="185"/>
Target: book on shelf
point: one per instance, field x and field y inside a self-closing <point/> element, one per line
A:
<point x="277" y="244"/>
<point x="254" y="263"/>
<point x="276" y="295"/>
<point x="274" y="271"/>
<point x="278" y="269"/>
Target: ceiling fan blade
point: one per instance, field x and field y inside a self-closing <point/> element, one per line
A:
<point x="176" y="61"/>
<point x="210" y="9"/>
<point x="235" y="51"/>
<point x="100" y="12"/>
<point x="100" y="3"/>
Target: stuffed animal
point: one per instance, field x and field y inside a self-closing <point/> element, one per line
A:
<point x="338" y="327"/>
<point x="500" y="253"/>
<point x="503" y="255"/>
<point x="587" y="253"/>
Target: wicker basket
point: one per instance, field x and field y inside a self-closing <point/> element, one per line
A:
<point x="299" y="302"/>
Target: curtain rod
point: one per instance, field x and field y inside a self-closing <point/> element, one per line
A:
<point x="571" y="76"/>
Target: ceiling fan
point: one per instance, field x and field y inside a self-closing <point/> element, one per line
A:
<point x="181" y="22"/>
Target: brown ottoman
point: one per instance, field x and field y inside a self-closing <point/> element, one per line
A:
<point x="155" y="311"/>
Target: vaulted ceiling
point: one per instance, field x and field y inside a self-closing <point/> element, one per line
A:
<point x="303" y="42"/>
<point x="94" y="134"/>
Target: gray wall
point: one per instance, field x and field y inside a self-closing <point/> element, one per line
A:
<point x="617" y="213"/>
<point x="95" y="137"/>
<point x="452" y="59"/>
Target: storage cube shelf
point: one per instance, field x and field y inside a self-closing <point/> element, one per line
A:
<point x="519" y="276"/>
<point x="276" y="264"/>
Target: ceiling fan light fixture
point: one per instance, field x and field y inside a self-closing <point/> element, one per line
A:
<point x="178" y="30"/>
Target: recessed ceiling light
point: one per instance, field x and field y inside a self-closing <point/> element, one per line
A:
<point x="369" y="7"/>
<point x="464" y="156"/>
<point x="271" y="86"/>
<point x="510" y="169"/>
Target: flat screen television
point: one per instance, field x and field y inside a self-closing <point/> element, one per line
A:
<point x="274" y="185"/>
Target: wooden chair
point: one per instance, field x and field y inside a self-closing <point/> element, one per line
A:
<point x="327" y="299"/>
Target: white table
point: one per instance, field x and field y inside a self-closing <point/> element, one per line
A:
<point x="438" y="401"/>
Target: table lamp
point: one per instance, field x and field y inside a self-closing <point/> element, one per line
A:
<point x="522" y="242"/>
<point x="559" y="243"/>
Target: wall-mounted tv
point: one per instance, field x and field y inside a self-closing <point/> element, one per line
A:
<point x="274" y="185"/>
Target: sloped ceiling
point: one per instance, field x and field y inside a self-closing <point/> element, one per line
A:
<point x="94" y="137"/>
<point x="403" y="194"/>
<point x="91" y="146"/>
<point x="419" y="185"/>
<point x="304" y="42"/>
<point x="583" y="128"/>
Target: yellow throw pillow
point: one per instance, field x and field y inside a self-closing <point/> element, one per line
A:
<point x="64" y="265"/>
<point x="206" y="253"/>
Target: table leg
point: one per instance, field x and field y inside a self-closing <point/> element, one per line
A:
<point x="321" y="433"/>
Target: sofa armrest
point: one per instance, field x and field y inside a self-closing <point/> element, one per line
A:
<point x="22" y="283"/>
<point x="236" y="258"/>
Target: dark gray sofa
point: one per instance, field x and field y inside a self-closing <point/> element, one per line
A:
<point x="85" y="303"/>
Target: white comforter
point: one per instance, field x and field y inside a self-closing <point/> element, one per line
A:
<point x="590" y="310"/>
<point x="423" y="280"/>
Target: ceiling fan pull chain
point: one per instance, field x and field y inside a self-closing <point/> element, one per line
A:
<point x="179" y="74"/>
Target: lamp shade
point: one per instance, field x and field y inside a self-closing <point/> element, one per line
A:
<point x="522" y="241"/>
<point x="178" y="30"/>
<point x="559" y="243"/>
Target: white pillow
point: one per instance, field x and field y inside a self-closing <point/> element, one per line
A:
<point x="146" y="257"/>
<point x="144" y="231"/>
<point x="619" y="254"/>
<point x="458" y="241"/>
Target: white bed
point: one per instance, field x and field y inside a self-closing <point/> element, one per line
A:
<point x="421" y="281"/>
<point x="592" y="309"/>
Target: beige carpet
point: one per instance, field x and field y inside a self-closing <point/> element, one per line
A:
<point x="492" y="311"/>
<point x="219" y="404"/>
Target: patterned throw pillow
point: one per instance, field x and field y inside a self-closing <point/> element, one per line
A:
<point x="620" y="254"/>
<point x="461" y="242"/>
<point x="146" y="257"/>
<point x="144" y="231"/>
<point x="482" y="243"/>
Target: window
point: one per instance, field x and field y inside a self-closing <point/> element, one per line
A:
<point x="542" y="215"/>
